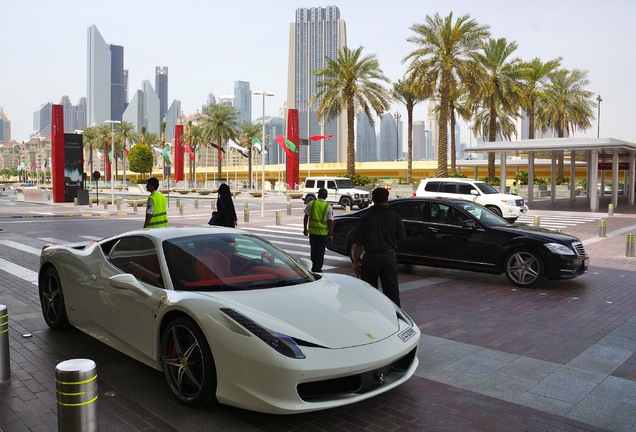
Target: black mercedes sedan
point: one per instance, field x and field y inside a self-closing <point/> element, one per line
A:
<point x="458" y="234"/>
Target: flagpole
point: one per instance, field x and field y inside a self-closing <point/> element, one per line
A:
<point x="264" y="93"/>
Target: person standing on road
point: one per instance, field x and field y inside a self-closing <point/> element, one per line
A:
<point x="514" y="190"/>
<point x="378" y="231"/>
<point x="318" y="224"/>
<point x="225" y="212"/>
<point x="157" y="206"/>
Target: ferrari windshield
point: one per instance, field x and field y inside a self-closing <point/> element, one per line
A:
<point x="222" y="262"/>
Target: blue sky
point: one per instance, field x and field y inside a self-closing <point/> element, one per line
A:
<point x="209" y="44"/>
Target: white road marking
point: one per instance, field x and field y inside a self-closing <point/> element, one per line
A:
<point x="19" y="271"/>
<point x="21" y="247"/>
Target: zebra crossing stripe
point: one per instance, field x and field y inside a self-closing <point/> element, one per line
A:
<point x="19" y="271"/>
<point x="21" y="247"/>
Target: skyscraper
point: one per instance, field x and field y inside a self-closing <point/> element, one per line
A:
<point x="315" y="34"/>
<point x="143" y="110"/>
<point x="366" y="140"/>
<point x="387" y="146"/>
<point x="161" y="87"/>
<point x="106" y="80"/>
<point x="42" y="121"/>
<point x="243" y="101"/>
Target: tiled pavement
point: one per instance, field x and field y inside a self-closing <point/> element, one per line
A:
<point x="560" y="357"/>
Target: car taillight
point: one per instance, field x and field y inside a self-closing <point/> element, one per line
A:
<point x="46" y="246"/>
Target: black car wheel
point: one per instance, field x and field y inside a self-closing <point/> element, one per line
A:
<point x="187" y="363"/>
<point x="345" y="202"/>
<point x="52" y="300"/>
<point x="524" y="268"/>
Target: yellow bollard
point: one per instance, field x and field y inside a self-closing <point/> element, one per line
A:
<point x="602" y="228"/>
<point x="278" y="222"/>
<point x="246" y="214"/>
<point x="537" y="221"/>
<point x="630" y="248"/>
<point x="610" y="210"/>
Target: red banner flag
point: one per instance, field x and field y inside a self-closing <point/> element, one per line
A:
<point x="220" y="154"/>
<point x="189" y="150"/>
<point x="281" y="142"/>
<point x="319" y="137"/>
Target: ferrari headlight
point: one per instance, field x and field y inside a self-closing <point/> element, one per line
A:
<point x="559" y="249"/>
<point x="403" y="316"/>
<point x="281" y="343"/>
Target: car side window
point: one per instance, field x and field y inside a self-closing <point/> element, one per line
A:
<point x="320" y="184"/>
<point x="310" y="184"/>
<point x="465" y="189"/>
<point x="408" y="210"/>
<point x="432" y="186"/>
<point x="137" y="255"/>
<point x="331" y="184"/>
<point x="449" y="188"/>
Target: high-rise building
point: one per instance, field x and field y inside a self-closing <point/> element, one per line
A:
<point x="432" y="126"/>
<point x="5" y="127"/>
<point x="243" y="101"/>
<point x="366" y="140"/>
<point x="387" y="145"/>
<point x="317" y="33"/>
<point x="74" y="115"/>
<point x="42" y="121"/>
<point x="143" y="110"/>
<point x="106" y="80"/>
<point x="419" y="141"/>
<point x="161" y="87"/>
<point x="171" y="117"/>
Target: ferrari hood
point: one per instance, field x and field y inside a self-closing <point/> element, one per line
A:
<point x="336" y="311"/>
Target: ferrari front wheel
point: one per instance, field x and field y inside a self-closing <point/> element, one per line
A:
<point x="52" y="300"/>
<point x="187" y="363"/>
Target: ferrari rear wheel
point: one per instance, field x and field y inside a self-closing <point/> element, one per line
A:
<point x="52" y="300"/>
<point x="187" y="363"/>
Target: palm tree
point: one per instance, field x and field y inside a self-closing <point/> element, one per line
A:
<point x="104" y="140"/>
<point x="220" y="124"/>
<point x="124" y="134"/>
<point x="409" y="94"/>
<point x="566" y="105"/>
<point x="247" y="132"/>
<point x="350" y="83"/>
<point x="444" y="47"/>
<point x="534" y="77"/>
<point x="457" y="104"/>
<point x="91" y="142"/>
<point x="496" y="88"/>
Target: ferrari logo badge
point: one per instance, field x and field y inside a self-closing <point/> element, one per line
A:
<point x="370" y="336"/>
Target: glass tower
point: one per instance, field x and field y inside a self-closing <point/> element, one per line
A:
<point x="317" y="33"/>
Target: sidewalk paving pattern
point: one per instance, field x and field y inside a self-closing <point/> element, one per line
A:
<point x="493" y="357"/>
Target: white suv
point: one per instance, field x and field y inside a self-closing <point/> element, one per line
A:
<point x="508" y="206"/>
<point x="341" y="190"/>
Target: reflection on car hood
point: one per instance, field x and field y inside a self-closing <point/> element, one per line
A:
<point x="523" y="229"/>
<point x="336" y="311"/>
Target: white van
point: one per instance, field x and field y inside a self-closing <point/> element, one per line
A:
<point x="508" y="206"/>
<point x="341" y="190"/>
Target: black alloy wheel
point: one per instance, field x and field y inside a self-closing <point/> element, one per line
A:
<point x="187" y="363"/>
<point x="345" y="202"/>
<point x="52" y="300"/>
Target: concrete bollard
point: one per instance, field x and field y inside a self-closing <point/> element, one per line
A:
<point x="630" y="248"/>
<point x="75" y="201"/>
<point x="537" y="221"/>
<point x="118" y="201"/>
<point x="105" y="205"/>
<point x="246" y="214"/>
<point x="602" y="228"/>
<point x="278" y="216"/>
<point x="181" y="210"/>
<point x="289" y="208"/>
<point x="135" y="206"/>
<point x="196" y="203"/>
<point x="178" y="202"/>
<point x="90" y="202"/>
<point x="347" y="209"/>
<point x="610" y="210"/>
<point x="5" y="364"/>
<point x="76" y="385"/>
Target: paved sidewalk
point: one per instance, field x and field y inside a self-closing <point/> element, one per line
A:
<point x="561" y="357"/>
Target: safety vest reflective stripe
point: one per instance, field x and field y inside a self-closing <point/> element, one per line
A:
<point x="159" y="216"/>
<point x="318" y="212"/>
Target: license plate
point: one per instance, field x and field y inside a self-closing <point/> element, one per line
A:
<point x="406" y="334"/>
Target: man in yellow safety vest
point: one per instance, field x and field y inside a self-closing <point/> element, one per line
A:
<point x="157" y="206"/>
<point x="318" y="226"/>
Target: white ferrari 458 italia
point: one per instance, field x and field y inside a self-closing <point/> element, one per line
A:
<point x="229" y="317"/>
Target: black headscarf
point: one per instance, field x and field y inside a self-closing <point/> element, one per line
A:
<point x="226" y="215"/>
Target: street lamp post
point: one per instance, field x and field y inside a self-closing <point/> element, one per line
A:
<point x="264" y="93"/>
<point x="398" y="117"/>
<point x="598" y="117"/>
<point x="112" y="149"/>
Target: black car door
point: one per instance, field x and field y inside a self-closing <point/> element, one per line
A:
<point x="411" y="212"/>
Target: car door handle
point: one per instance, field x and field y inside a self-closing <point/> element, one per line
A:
<point x="93" y="277"/>
<point x="435" y="230"/>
